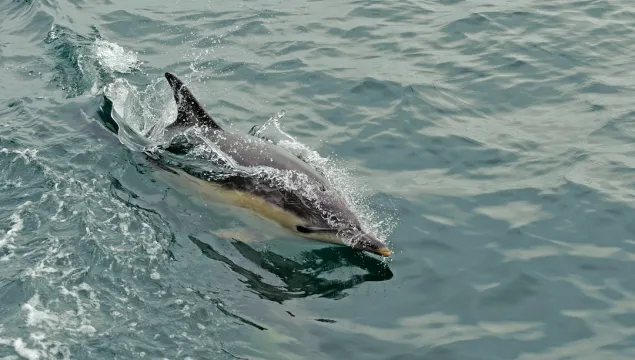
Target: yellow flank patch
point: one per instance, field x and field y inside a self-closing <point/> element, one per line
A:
<point x="259" y="206"/>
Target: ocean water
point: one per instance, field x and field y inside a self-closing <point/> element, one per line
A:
<point x="490" y="143"/>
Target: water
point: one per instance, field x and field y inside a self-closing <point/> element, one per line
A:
<point x="489" y="142"/>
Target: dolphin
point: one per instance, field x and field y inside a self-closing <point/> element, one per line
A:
<point x="293" y="195"/>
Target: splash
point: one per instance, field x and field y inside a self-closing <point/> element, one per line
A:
<point x="142" y="116"/>
<point x="351" y="187"/>
<point x="114" y="58"/>
<point x="82" y="64"/>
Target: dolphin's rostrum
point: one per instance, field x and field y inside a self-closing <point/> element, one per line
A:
<point x="311" y="209"/>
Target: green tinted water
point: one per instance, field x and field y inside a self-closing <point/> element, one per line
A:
<point x="493" y="138"/>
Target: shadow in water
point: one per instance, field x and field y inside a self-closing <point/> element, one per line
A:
<point x="302" y="278"/>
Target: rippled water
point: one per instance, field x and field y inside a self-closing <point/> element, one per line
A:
<point x="490" y="141"/>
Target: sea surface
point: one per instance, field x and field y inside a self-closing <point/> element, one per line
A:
<point x="490" y="143"/>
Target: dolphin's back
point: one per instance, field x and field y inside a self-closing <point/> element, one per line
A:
<point x="250" y="151"/>
<point x="246" y="150"/>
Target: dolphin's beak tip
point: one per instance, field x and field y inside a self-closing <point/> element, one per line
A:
<point x="384" y="252"/>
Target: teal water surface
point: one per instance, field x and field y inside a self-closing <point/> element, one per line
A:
<point x="490" y="143"/>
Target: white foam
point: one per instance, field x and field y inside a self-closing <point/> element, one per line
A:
<point x="42" y="323"/>
<point x="87" y="329"/>
<point x="52" y="34"/>
<point x="27" y="154"/>
<point x="23" y="351"/>
<point x="114" y="57"/>
<point x="49" y="263"/>
<point x="17" y="225"/>
<point x="155" y="275"/>
<point x="60" y="205"/>
<point x="38" y="318"/>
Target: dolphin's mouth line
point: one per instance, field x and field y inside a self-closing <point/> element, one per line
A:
<point x="355" y="240"/>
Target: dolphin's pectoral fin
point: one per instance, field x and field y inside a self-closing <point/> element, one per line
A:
<point x="191" y="113"/>
<point x="241" y="234"/>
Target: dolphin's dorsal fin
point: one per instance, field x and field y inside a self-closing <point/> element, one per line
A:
<point x="191" y="113"/>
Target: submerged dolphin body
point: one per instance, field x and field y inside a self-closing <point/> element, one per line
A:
<point x="293" y="195"/>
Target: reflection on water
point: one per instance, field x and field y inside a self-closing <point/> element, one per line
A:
<point x="302" y="278"/>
